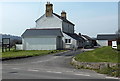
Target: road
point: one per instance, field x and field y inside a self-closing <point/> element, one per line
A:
<point x="56" y="66"/>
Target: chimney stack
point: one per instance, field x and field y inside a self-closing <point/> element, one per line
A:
<point x="63" y="14"/>
<point x="79" y="34"/>
<point x="49" y="9"/>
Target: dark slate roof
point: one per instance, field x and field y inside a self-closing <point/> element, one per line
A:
<point x="107" y="36"/>
<point x="87" y="37"/>
<point x="75" y="36"/>
<point x="42" y="32"/>
<point x="64" y="19"/>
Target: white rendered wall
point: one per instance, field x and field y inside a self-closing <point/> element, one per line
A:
<point x="41" y="43"/>
<point x="19" y="47"/>
<point x="73" y="42"/>
<point x="49" y="22"/>
<point x="102" y="42"/>
<point x="54" y="22"/>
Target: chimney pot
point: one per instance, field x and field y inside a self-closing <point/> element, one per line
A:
<point x="63" y="14"/>
<point x="79" y="34"/>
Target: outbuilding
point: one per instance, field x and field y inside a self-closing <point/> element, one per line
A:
<point x="106" y="39"/>
<point x="42" y="39"/>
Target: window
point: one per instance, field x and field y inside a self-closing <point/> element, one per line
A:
<point x="67" y="40"/>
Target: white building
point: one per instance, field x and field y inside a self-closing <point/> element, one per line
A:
<point x="52" y="32"/>
<point x="106" y="39"/>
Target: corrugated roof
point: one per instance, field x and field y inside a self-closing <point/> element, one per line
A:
<point x="75" y="36"/>
<point x="42" y="32"/>
<point x="107" y="36"/>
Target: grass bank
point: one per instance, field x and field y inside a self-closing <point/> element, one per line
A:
<point x="25" y="53"/>
<point x="118" y="47"/>
<point x="111" y="71"/>
<point x="104" y="54"/>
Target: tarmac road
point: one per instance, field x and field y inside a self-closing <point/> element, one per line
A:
<point x="56" y="66"/>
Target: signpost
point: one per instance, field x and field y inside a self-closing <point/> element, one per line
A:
<point x="5" y="44"/>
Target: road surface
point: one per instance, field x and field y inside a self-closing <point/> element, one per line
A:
<point x="56" y="66"/>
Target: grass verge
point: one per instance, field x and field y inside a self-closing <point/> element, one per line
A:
<point x="111" y="71"/>
<point x="118" y="47"/>
<point x="25" y="53"/>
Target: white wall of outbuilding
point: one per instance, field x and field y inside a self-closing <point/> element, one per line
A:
<point x="39" y="43"/>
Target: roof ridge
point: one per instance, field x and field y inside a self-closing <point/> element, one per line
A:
<point x="42" y="32"/>
<point x="42" y="28"/>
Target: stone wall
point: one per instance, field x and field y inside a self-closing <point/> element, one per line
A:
<point x="92" y="65"/>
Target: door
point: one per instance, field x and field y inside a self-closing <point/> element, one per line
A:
<point x="59" y="42"/>
<point x="109" y="43"/>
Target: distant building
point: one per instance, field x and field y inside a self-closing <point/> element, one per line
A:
<point x="106" y="39"/>
<point x="52" y="32"/>
<point x="88" y="41"/>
